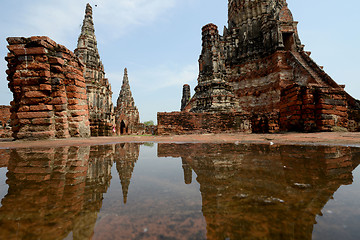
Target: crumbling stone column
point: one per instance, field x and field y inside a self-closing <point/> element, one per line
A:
<point x="185" y="96"/>
<point x="48" y="88"/>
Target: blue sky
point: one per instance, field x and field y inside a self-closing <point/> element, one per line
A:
<point x="159" y="41"/>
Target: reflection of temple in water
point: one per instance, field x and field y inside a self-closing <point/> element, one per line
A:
<point x="55" y="192"/>
<point x="263" y="192"/>
<point x="126" y="155"/>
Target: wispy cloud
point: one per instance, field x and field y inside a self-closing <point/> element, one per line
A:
<point x="62" y="21"/>
<point x="125" y="14"/>
<point x="156" y="78"/>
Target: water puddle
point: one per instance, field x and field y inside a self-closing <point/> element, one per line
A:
<point x="180" y="191"/>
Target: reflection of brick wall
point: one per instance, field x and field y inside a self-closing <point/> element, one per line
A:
<point x="46" y="189"/>
<point x="4" y="157"/>
<point x="53" y="192"/>
<point x="49" y="90"/>
<point x="5" y="130"/>
<point x="181" y="122"/>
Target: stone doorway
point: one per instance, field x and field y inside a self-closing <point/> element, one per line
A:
<point x="123" y="129"/>
<point x="288" y="39"/>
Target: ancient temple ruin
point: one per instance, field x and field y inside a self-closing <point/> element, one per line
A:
<point x="258" y="78"/>
<point x="98" y="88"/>
<point x="48" y="88"/>
<point x="126" y="113"/>
<point x="58" y="93"/>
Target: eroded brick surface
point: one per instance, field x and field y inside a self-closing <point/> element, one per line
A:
<point x="5" y="129"/>
<point x="48" y="89"/>
<point x="186" y="123"/>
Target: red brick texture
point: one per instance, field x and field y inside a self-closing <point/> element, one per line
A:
<point x="5" y="130"/>
<point x="49" y="90"/>
<point x="188" y="123"/>
<point x="312" y="109"/>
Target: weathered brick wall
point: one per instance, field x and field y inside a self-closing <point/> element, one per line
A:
<point x="48" y="88"/>
<point x="354" y="120"/>
<point x="331" y="109"/>
<point x="312" y="109"/>
<point x="297" y="110"/>
<point x="257" y="83"/>
<point x="302" y="109"/>
<point x="265" y="123"/>
<point x="353" y="114"/>
<point x="185" y="123"/>
<point x="5" y="129"/>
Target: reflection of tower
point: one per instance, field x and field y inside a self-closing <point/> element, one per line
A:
<point x="126" y="156"/>
<point x="263" y="192"/>
<point x="187" y="171"/>
<point x="97" y="183"/>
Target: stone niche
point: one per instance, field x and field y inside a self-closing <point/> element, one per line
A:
<point x="49" y="91"/>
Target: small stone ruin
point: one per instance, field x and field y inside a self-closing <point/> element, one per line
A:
<point x="126" y="113"/>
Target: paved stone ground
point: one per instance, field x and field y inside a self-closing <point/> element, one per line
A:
<point x="323" y="138"/>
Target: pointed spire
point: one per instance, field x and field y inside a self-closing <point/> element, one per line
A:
<point x="125" y="188"/>
<point x="126" y="79"/>
<point x="88" y="10"/>
<point x="125" y="95"/>
<point x="127" y="155"/>
<point x="88" y="23"/>
<point x="87" y="44"/>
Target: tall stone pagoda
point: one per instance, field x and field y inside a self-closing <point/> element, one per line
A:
<point x="126" y="113"/>
<point x="99" y="92"/>
<point x="257" y="77"/>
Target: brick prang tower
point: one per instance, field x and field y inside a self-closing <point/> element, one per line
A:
<point x="98" y="87"/>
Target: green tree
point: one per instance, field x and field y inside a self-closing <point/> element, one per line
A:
<point x="149" y="123"/>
